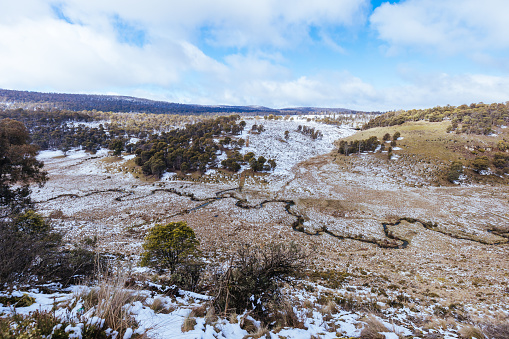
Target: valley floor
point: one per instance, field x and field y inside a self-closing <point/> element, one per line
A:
<point x="412" y="252"/>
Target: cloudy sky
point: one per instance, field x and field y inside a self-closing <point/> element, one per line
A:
<point x="359" y="54"/>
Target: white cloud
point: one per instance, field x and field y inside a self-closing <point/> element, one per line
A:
<point x="75" y="47"/>
<point x="446" y="26"/>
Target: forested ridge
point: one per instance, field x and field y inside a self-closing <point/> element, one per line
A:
<point x="112" y="103"/>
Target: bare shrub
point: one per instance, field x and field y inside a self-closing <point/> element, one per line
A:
<point x="253" y="275"/>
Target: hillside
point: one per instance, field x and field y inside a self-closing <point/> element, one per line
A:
<point x="113" y="103"/>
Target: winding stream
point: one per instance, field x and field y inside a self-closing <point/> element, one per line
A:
<point x="391" y="241"/>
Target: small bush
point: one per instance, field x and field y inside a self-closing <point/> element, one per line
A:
<point x="168" y="246"/>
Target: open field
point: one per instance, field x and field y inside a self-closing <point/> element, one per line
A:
<point x="394" y="236"/>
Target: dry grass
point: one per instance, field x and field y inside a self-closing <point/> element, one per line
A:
<point x="158" y="306"/>
<point x="373" y="328"/>
<point x="498" y="330"/>
<point x="470" y="332"/>
<point x="330" y="308"/>
<point x="262" y="332"/>
<point x="189" y="323"/>
<point x="108" y="301"/>
<point x="210" y="316"/>
<point x="199" y="311"/>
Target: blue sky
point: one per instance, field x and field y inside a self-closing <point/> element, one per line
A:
<point x="358" y="54"/>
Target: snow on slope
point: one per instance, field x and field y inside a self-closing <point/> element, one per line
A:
<point x="271" y="143"/>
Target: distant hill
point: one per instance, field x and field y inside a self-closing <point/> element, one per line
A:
<point x="114" y="103"/>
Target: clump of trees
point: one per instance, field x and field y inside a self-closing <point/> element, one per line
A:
<point x="310" y="131"/>
<point x="18" y="167"/>
<point x="256" y="129"/>
<point x="499" y="160"/>
<point x="357" y="146"/>
<point x="63" y="130"/>
<point x="189" y="149"/>
<point x="257" y="164"/>
<point x="481" y="163"/>
<point x="369" y="145"/>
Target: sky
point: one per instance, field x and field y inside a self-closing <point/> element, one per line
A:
<point x="357" y="54"/>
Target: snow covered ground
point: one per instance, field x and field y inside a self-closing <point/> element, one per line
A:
<point x="272" y="144"/>
<point x="166" y="321"/>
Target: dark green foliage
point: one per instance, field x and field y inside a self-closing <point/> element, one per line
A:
<point x="170" y="246"/>
<point x="188" y="149"/>
<point x="357" y="146"/>
<point x="455" y="170"/>
<point x="253" y="276"/>
<point x="18" y="167"/>
<point x="481" y="163"/>
<point x="314" y="134"/>
<point x="501" y="161"/>
<point x="248" y="156"/>
<point x="257" y="128"/>
<point x="396" y="136"/>
<point x="31" y="250"/>
<point x="117" y="145"/>
<point x="23" y="240"/>
<point x="234" y="161"/>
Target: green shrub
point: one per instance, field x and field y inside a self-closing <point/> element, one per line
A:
<point x="481" y="163"/>
<point x="168" y="246"/>
<point x="455" y="170"/>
